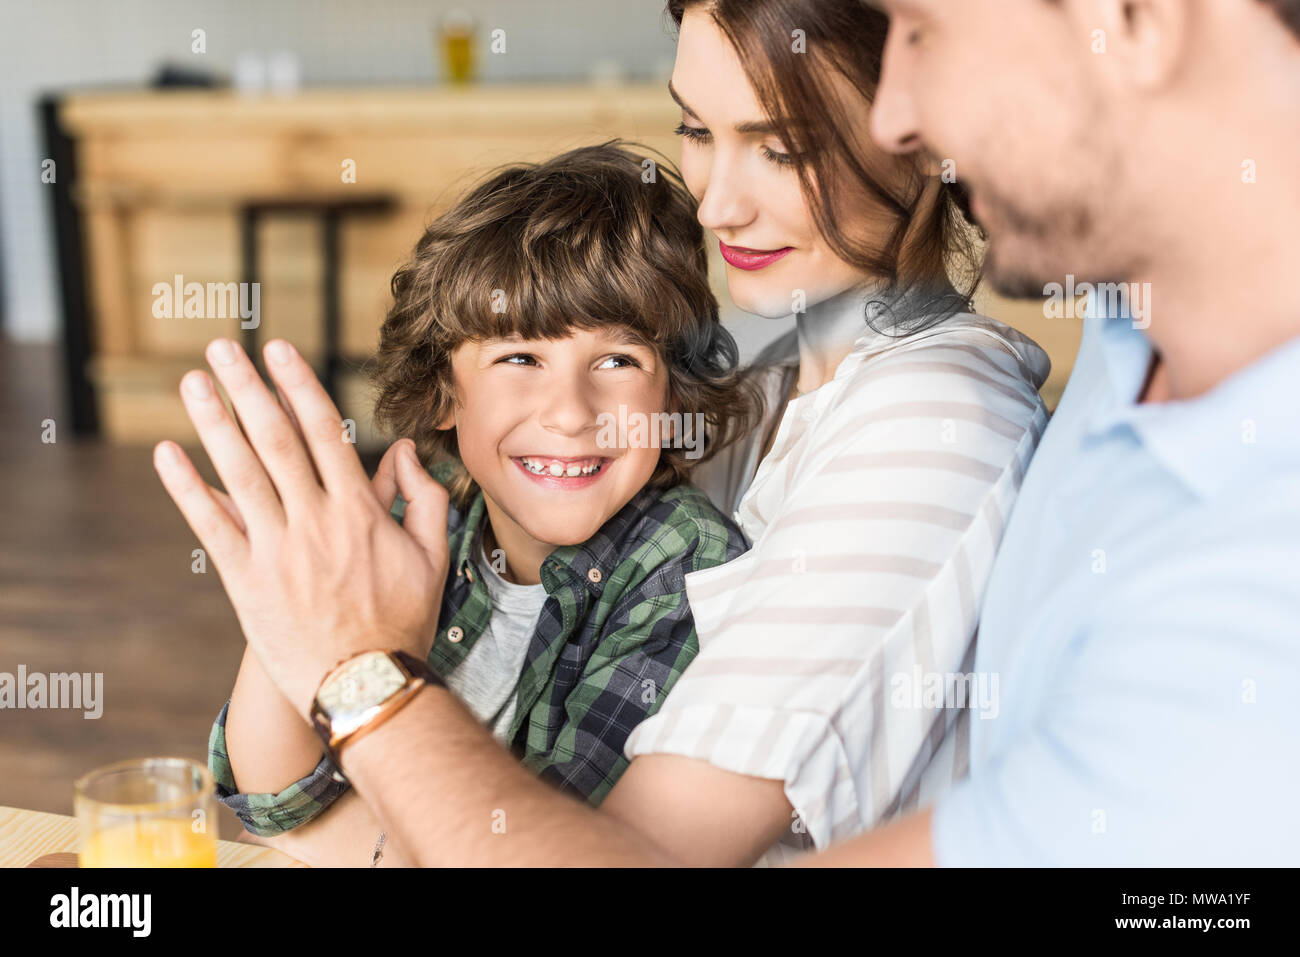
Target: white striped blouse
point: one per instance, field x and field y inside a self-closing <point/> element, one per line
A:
<point x="874" y="520"/>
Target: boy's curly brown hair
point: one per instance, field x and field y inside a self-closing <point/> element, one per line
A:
<point x="594" y="237"/>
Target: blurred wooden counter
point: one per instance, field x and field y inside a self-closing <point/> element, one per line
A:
<point x="162" y="179"/>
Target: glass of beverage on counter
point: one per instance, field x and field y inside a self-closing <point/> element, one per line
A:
<point x="147" y="812"/>
<point x="456" y="46"/>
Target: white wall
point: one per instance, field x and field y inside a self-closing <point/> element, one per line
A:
<point x="50" y="45"/>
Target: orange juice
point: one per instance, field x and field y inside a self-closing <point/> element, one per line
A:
<point x="152" y="842"/>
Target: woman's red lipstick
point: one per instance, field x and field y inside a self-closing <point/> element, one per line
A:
<point x="751" y="259"/>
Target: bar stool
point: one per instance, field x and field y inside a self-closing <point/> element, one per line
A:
<point x="329" y="212"/>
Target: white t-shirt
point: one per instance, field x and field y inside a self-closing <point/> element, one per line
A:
<point x="487" y="681"/>
<point x="875" y="518"/>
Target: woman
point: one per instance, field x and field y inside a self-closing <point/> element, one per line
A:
<point x="897" y="429"/>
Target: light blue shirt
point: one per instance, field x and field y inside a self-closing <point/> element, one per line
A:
<point x="1143" y="619"/>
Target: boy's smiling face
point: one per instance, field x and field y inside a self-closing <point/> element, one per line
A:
<point x="527" y="426"/>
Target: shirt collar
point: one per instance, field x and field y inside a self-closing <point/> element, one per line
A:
<point x="592" y="562"/>
<point x="471" y="536"/>
<point x="589" y="563"/>
<point x="1247" y="423"/>
<point x="881" y="309"/>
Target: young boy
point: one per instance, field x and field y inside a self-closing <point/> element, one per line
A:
<point x="554" y="335"/>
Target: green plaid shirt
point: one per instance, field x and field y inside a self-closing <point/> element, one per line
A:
<point x="612" y="638"/>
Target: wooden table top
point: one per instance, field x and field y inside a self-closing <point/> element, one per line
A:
<point x="27" y="835"/>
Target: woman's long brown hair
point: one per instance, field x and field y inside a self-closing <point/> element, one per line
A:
<point x="938" y="266"/>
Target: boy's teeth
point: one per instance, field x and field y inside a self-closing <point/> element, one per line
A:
<point x="559" y="469"/>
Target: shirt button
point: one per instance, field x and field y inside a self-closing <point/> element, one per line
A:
<point x="594" y="576"/>
<point x="455" y="634"/>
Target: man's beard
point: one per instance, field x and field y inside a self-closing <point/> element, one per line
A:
<point x="1047" y="242"/>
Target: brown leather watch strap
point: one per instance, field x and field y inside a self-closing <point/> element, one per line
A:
<point x="418" y="669"/>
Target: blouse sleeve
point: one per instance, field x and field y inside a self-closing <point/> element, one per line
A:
<point x="827" y="648"/>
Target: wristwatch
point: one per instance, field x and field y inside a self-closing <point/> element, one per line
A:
<point x="363" y="692"/>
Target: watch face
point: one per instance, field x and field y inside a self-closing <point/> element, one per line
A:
<point x="363" y="683"/>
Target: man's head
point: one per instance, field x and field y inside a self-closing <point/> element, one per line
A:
<point x="543" y="328"/>
<point x="1089" y="132"/>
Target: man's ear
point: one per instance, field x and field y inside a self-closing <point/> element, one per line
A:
<point x="1146" y="39"/>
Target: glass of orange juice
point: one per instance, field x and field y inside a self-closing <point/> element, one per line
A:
<point x="148" y="812"/>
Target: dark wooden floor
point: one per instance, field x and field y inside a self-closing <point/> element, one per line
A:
<point x="95" y="577"/>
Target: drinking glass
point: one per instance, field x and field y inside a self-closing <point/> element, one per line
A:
<point x="147" y="812"/>
<point x="456" y="39"/>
